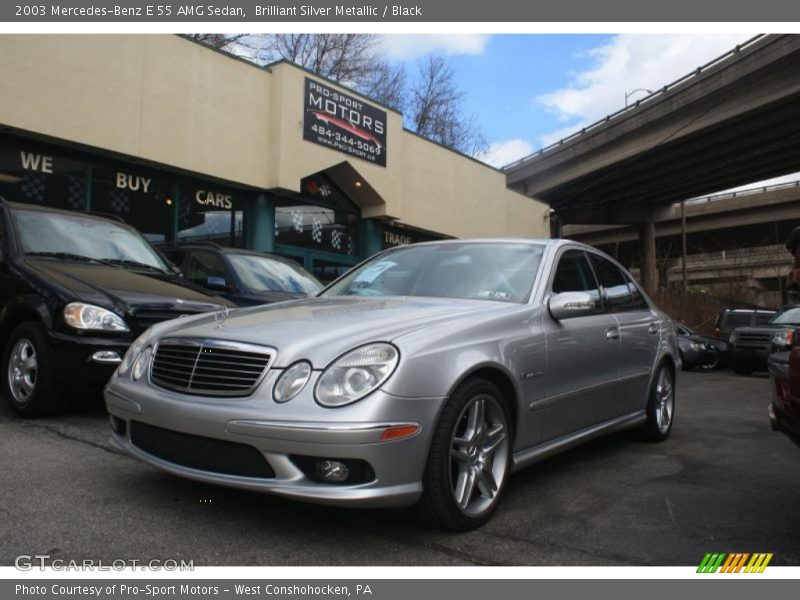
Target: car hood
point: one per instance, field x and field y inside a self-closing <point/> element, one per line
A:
<point x="123" y="289"/>
<point x="320" y="329"/>
<point x="765" y="329"/>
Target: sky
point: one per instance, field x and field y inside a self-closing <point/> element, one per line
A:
<point x="528" y="91"/>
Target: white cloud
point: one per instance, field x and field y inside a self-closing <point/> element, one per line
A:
<point x="500" y="154"/>
<point x="627" y="62"/>
<point x="406" y="47"/>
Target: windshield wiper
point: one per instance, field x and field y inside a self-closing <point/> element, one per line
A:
<point x="66" y="255"/>
<point x="131" y="263"/>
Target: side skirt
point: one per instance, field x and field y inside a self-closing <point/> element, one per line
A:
<point x="533" y="455"/>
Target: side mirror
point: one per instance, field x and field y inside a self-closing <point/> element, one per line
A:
<point x="216" y="283"/>
<point x="571" y="304"/>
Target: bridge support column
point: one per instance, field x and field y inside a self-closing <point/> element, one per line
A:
<point x="647" y="250"/>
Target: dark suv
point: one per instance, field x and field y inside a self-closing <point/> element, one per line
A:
<point x="751" y="346"/>
<point x="729" y="319"/>
<point x="244" y="277"/>
<point x="75" y="290"/>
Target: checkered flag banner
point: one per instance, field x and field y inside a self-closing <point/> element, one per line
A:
<point x="350" y="247"/>
<point x="184" y="208"/>
<point x="119" y="201"/>
<point x="336" y="239"/>
<point x="76" y="192"/>
<point x="33" y="186"/>
<point x="316" y="230"/>
<point x="297" y="220"/>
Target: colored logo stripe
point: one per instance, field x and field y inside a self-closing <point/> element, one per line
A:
<point x="734" y="562"/>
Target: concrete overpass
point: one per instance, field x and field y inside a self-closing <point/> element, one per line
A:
<point x="728" y="123"/>
<point x="734" y="238"/>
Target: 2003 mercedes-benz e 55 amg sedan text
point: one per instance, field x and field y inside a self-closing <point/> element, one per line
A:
<point x="425" y="375"/>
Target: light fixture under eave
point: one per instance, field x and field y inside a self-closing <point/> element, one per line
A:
<point x="358" y="184"/>
<point x="6" y="178"/>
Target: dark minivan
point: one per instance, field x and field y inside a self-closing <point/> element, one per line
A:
<point x="75" y="290"/>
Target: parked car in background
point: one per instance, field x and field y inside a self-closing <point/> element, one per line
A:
<point x="729" y="319"/>
<point x="784" y="409"/>
<point x="75" y="291"/>
<point x="750" y="346"/>
<point x="425" y="375"/>
<point x="700" y="351"/>
<point x="244" y="277"/>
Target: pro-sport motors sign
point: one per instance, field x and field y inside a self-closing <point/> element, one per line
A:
<point x="344" y="123"/>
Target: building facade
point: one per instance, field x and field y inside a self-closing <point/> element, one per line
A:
<point x="186" y="143"/>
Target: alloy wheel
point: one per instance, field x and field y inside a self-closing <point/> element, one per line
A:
<point x="665" y="400"/>
<point x="22" y="370"/>
<point x="479" y="453"/>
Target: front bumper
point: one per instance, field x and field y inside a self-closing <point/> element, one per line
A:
<point x="282" y="432"/>
<point x="72" y="358"/>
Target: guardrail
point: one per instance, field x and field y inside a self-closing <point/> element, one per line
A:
<point x="650" y="97"/>
<point x="745" y="192"/>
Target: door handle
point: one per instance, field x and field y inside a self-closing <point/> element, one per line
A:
<point x="612" y="334"/>
<point x="653" y="327"/>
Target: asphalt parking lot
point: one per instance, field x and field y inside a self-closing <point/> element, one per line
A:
<point x="722" y="482"/>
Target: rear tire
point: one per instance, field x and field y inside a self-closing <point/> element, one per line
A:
<point x="28" y="380"/>
<point x="660" y="406"/>
<point x="470" y="458"/>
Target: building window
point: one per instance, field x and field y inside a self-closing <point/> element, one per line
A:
<point x="140" y="199"/>
<point x="33" y="173"/>
<point x="322" y="218"/>
<point x="208" y="212"/>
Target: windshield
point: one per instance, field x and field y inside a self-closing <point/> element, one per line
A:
<point x="260" y="273"/>
<point x="788" y="316"/>
<point x="57" y="233"/>
<point x="478" y="271"/>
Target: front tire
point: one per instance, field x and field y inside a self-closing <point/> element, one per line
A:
<point x="660" y="406"/>
<point x="469" y="460"/>
<point x="28" y="382"/>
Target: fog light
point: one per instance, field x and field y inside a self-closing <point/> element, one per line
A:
<point x="117" y="425"/>
<point x="332" y="471"/>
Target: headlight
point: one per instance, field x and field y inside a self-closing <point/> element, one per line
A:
<point x="782" y="339"/>
<point x="732" y="339"/>
<point x="141" y="364"/>
<point x="91" y="317"/>
<point x="130" y="356"/>
<point x="356" y="374"/>
<point x="292" y="381"/>
<point x="697" y="346"/>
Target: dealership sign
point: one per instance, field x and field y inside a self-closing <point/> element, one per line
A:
<point x="344" y="123"/>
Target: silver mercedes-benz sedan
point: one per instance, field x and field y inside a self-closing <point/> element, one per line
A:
<point x="425" y="376"/>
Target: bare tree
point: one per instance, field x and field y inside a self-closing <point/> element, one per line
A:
<point x="433" y="103"/>
<point x="437" y="109"/>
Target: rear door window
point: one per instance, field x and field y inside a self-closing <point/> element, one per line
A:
<point x="738" y="319"/>
<point x="615" y="285"/>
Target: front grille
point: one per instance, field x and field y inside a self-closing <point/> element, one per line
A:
<point x="755" y="339"/>
<point x="201" y="453"/>
<point x="209" y="367"/>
